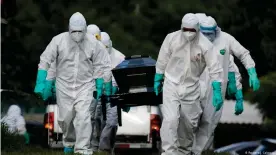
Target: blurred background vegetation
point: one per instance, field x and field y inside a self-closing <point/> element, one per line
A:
<point x="137" y="27"/>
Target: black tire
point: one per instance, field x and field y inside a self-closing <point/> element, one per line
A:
<point x="44" y="142"/>
<point x="156" y="144"/>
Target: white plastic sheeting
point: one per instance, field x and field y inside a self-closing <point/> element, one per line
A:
<point x="250" y="115"/>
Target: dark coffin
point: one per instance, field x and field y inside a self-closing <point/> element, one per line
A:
<point x="135" y="79"/>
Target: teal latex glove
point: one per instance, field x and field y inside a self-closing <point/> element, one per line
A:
<point x="239" y="102"/>
<point x="99" y="87"/>
<point x="27" y="138"/>
<point x="40" y="82"/>
<point x="54" y="90"/>
<point x="108" y="88"/>
<point x="158" y="79"/>
<point x="253" y="79"/>
<point x="68" y="150"/>
<point x="114" y="90"/>
<point x="217" y="96"/>
<point x="48" y="89"/>
<point x="232" y="87"/>
<point x="126" y="109"/>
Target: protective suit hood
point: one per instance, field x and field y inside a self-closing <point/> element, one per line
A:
<point x="94" y="30"/>
<point x="106" y="41"/>
<point x="14" y="110"/>
<point x="189" y="26"/>
<point x="201" y="17"/>
<point x="77" y="27"/>
<point x="209" y="28"/>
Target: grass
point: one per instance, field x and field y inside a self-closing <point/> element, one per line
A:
<point x="33" y="151"/>
<point x="41" y="151"/>
<point x="13" y="144"/>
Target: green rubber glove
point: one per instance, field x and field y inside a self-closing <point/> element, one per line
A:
<point x="108" y="88"/>
<point x="48" y="89"/>
<point x="99" y="87"/>
<point x="40" y="82"/>
<point x="158" y="79"/>
<point x="27" y="138"/>
<point x="114" y="90"/>
<point x="239" y="102"/>
<point x="232" y="87"/>
<point x="54" y="90"/>
<point x="253" y="79"/>
<point x="217" y="95"/>
<point x="126" y="109"/>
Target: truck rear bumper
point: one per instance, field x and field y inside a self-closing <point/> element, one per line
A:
<point x="133" y="145"/>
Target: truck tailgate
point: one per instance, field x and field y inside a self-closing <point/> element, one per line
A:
<point x="136" y="121"/>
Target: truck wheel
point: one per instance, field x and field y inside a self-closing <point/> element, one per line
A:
<point x="44" y="142"/>
<point x="156" y="144"/>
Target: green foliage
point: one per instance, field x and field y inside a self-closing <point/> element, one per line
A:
<point x="265" y="96"/>
<point x="136" y="27"/>
<point x="11" y="141"/>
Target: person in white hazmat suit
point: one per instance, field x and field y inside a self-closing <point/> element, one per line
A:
<point x="80" y="62"/>
<point x="182" y="58"/>
<point x="227" y="46"/>
<point x="108" y="134"/>
<point x="94" y="30"/>
<point x="97" y="122"/>
<point x="16" y="122"/>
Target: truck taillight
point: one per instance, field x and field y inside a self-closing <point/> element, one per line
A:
<point x="49" y="120"/>
<point x="155" y="124"/>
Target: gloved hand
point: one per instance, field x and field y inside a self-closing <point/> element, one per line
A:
<point x="114" y="90"/>
<point x="99" y="87"/>
<point x="217" y="95"/>
<point x="54" y="90"/>
<point x="239" y="102"/>
<point x="40" y="83"/>
<point x="48" y="89"/>
<point x="158" y="78"/>
<point x="126" y="109"/>
<point x="232" y="87"/>
<point x="108" y="88"/>
<point x="68" y="150"/>
<point x="253" y="79"/>
<point x="27" y="137"/>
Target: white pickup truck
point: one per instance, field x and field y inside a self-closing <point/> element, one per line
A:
<point x="140" y="129"/>
<point x="141" y="125"/>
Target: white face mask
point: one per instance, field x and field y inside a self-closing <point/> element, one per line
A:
<point x="77" y="36"/>
<point x="189" y="35"/>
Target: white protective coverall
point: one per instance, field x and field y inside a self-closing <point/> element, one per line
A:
<point x="79" y="61"/>
<point x="51" y="74"/>
<point x="182" y="58"/>
<point x="210" y="118"/>
<point x="97" y="123"/>
<point x="14" y="120"/>
<point x="108" y="134"/>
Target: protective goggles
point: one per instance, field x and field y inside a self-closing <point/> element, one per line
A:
<point x="75" y="31"/>
<point x="184" y="29"/>
<point x="207" y="29"/>
<point x="98" y="37"/>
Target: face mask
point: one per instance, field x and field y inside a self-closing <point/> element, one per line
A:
<point x="189" y="35"/>
<point x="77" y="36"/>
<point x="210" y="35"/>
